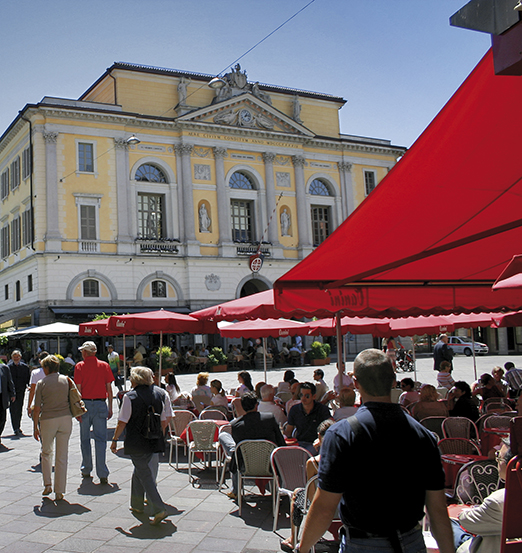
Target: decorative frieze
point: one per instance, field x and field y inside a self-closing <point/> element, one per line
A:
<point x="201" y="172"/>
<point x="283" y="179"/>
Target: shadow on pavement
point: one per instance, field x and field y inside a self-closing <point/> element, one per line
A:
<point x="55" y="509"/>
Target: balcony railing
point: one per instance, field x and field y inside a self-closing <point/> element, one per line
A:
<point x="163" y="246"/>
<point x="89" y="246"/>
<point x="247" y="251"/>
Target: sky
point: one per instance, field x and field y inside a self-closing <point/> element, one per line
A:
<point x="396" y="62"/>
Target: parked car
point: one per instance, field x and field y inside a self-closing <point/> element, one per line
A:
<point x="462" y="344"/>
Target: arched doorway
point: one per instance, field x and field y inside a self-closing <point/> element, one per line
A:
<point x="253" y="286"/>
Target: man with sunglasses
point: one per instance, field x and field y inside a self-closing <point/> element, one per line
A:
<point x="366" y="460"/>
<point x="305" y="417"/>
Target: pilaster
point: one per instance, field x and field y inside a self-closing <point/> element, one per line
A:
<point x="226" y="247"/>
<point x="125" y="240"/>
<point x="53" y="237"/>
<point x="305" y="246"/>
<point x="192" y="245"/>
<point x="345" y="174"/>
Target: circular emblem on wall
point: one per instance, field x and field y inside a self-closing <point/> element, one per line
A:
<point x="256" y="262"/>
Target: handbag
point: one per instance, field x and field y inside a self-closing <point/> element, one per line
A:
<point x="76" y="404"/>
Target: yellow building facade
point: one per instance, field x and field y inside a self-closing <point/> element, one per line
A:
<point x="153" y="190"/>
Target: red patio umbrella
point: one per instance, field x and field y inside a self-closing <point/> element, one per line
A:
<point x="354" y="325"/>
<point x="96" y="328"/>
<point x="511" y="276"/>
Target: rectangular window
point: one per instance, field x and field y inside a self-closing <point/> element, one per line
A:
<point x="85" y="157"/>
<point x="91" y="289"/>
<point x="26" y="163"/>
<point x="370" y="181"/>
<point x="5" y="241"/>
<point x="6" y="291"/>
<point x="5" y="184"/>
<point x="18" y="291"/>
<point x="15" y="234"/>
<point x="159" y="289"/>
<point x="27" y="228"/>
<point x="15" y="173"/>
<point x="242" y="221"/>
<point x="29" y="283"/>
<point x="150" y="216"/>
<point x="320" y="224"/>
<point x="88" y="222"/>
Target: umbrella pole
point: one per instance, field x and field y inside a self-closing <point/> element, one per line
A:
<point x="124" y="365"/>
<point x="414" y="360"/>
<point x="59" y="352"/>
<point x="473" y="351"/>
<point x="264" y="355"/>
<point x="340" y="349"/>
<point x="160" y="356"/>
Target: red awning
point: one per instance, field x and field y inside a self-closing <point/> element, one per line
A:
<point x="439" y="229"/>
<point x="97" y="328"/>
<point x="155" y="322"/>
<point x="354" y="325"/>
<point x="262" y="328"/>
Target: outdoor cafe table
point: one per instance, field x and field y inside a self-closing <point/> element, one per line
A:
<point x="491" y="437"/>
<point x="453" y="462"/>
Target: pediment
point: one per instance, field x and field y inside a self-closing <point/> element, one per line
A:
<point x="246" y="111"/>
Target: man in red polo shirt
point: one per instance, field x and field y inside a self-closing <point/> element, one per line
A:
<point x="94" y="380"/>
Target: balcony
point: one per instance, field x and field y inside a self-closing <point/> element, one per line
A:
<point x="168" y="246"/>
<point x="250" y="248"/>
<point x="89" y="246"/>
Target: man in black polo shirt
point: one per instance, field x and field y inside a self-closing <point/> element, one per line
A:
<point x="305" y="417"/>
<point x="383" y="467"/>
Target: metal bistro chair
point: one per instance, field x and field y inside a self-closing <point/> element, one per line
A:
<point x="213" y="414"/>
<point x="253" y="462"/>
<point x="460" y="427"/>
<point x="289" y="468"/>
<point x="180" y="421"/>
<point x="203" y="434"/>
<point x="475" y="481"/>
<point x="458" y="446"/>
<point x="434" y="424"/>
<point x="498" y="421"/>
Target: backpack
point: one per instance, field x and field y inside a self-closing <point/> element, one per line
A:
<point x="151" y="428"/>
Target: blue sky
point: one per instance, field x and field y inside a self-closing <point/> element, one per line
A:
<point x="396" y="62"/>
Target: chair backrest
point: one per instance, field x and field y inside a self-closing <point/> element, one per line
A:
<point x="225" y="428"/>
<point x="443" y="392"/>
<point x="213" y="414"/>
<point x="475" y="481"/>
<point x="256" y="458"/>
<point x="289" y="466"/>
<point x="458" y="446"/>
<point x="434" y="424"/>
<point x="395" y="395"/>
<point x="201" y="401"/>
<point x="180" y="420"/>
<point x="284" y="396"/>
<point x="459" y="427"/>
<point x="497" y="421"/>
<point x="481" y="421"/>
<point x="203" y="433"/>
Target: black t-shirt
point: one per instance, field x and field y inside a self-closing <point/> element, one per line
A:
<point x="383" y="471"/>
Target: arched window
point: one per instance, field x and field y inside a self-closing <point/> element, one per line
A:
<point x="241" y="181"/>
<point x="150" y="173"/>
<point x="319" y="188"/>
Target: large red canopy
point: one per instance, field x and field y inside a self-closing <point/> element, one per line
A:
<point x="262" y="328"/>
<point x="439" y="229"/>
<point x="155" y="322"/>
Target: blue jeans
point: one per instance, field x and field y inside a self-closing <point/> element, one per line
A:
<point x="412" y="542"/>
<point x="96" y="417"/>
<point x="142" y="483"/>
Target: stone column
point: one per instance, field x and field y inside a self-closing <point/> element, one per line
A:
<point x="53" y="237"/>
<point x="273" y="235"/>
<point x="179" y="178"/>
<point x="125" y="240"/>
<point x="188" y="200"/>
<point x="303" y="214"/>
<point x="223" y="197"/>
<point x="502" y="341"/>
<point x="348" y="202"/>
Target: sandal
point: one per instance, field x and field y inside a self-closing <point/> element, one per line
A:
<point x="286" y="547"/>
<point x="47" y="490"/>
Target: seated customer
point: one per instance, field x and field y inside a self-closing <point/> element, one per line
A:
<point x="251" y="426"/>
<point x="487" y="388"/>
<point x="461" y="402"/>
<point x="429" y="404"/>
<point x="409" y="395"/>
<point x="305" y="417"/>
<point x="268" y="405"/>
<point x="295" y="390"/>
<point x="287" y="378"/>
<point x="444" y="379"/>
<point x="347" y="401"/>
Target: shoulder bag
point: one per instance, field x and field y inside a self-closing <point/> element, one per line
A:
<point x="76" y="404"/>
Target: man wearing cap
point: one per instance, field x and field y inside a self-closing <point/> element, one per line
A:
<point x="442" y="352"/>
<point x="513" y="377"/>
<point x="94" y="379"/>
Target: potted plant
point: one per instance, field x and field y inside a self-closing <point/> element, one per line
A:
<point x="217" y="360"/>
<point x="166" y="362"/>
<point x="317" y="354"/>
<point x="327" y="349"/>
<point x="65" y="368"/>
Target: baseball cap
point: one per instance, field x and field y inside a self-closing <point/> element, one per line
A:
<point x="88" y="346"/>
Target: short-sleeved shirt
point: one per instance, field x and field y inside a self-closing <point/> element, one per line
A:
<point x="514" y="378"/>
<point x="306" y="424"/>
<point x="346" y="382"/>
<point x="114" y="360"/>
<point x="92" y="375"/>
<point x="383" y="470"/>
<point x="36" y="375"/>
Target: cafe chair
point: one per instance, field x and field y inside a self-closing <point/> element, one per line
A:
<point x="253" y="462"/>
<point x="434" y="424"/>
<point x="498" y="421"/>
<point x="459" y="427"/>
<point x="475" y="481"/>
<point x="496" y="405"/>
<point x="213" y="414"/>
<point x="295" y="358"/>
<point x="458" y="446"/>
<point x="289" y="468"/>
<point x="224" y="458"/>
<point x="284" y="396"/>
<point x="180" y="421"/>
<point x="201" y="434"/>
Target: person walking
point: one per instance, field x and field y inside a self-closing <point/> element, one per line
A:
<point x="114" y="363"/>
<point x="442" y="352"/>
<point x="21" y="374"/>
<point x="354" y="447"/>
<point x="133" y="418"/>
<point x="52" y="424"/>
<point x="7" y="395"/>
<point x="94" y="381"/>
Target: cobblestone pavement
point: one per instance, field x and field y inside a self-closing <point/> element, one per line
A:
<point x="96" y="517"/>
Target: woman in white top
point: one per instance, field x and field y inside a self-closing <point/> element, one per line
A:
<point x="219" y="399"/>
<point x="201" y="388"/>
<point x="245" y="383"/>
<point x="172" y="387"/>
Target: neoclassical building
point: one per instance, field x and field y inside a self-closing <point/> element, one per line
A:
<point x="153" y="190"/>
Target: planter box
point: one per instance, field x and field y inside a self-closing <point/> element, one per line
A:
<point x="327" y="361"/>
<point x="317" y="361"/>
<point x="219" y="368"/>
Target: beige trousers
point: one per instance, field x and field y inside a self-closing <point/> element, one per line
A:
<point x="58" y="429"/>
